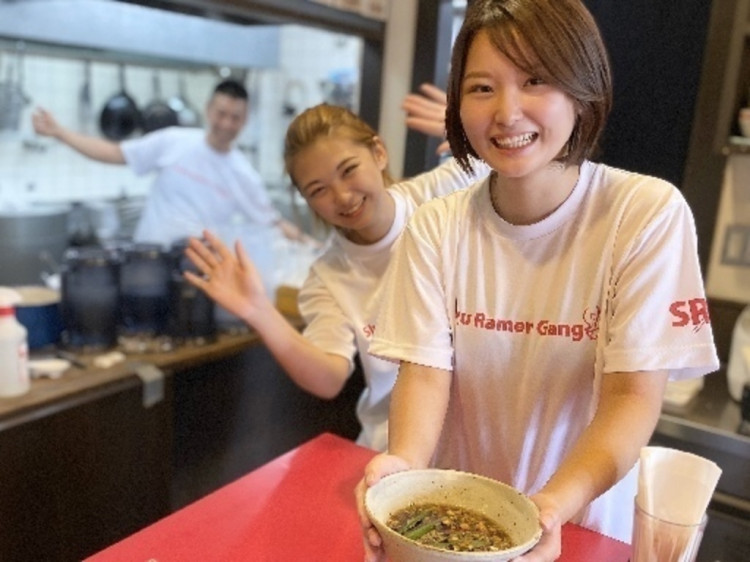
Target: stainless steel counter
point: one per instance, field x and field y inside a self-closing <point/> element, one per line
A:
<point x="711" y="419"/>
<point x="710" y="426"/>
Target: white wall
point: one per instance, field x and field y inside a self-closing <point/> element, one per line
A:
<point x="42" y="169"/>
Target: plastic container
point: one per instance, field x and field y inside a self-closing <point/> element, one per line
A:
<point x="40" y="313"/>
<point x="14" y="351"/>
<point x="738" y="369"/>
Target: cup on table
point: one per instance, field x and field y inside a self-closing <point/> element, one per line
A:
<point x="658" y="540"/>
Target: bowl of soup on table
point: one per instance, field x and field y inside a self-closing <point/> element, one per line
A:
<point x="436" y="515"/>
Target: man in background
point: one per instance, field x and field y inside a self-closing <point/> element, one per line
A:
<point x="202" y="180"/>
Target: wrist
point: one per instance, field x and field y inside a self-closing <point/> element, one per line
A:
<point x="258" y="313"/>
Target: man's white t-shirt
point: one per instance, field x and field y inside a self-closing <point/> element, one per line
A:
<point x="337" y="297"/>
<point x="196" y="187"/>
<point x="531" y="318"/>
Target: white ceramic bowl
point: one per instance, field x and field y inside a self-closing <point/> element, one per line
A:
<point x="505" y="505"/>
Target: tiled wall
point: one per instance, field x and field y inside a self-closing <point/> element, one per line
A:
<point x="41" y="169"/>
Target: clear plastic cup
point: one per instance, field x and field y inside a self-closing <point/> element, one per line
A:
<point x="657" y="540"/>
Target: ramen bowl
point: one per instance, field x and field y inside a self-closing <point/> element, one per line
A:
<point x="504" y="505"/>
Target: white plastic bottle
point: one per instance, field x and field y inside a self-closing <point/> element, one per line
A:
<point x="14" y="350"/>
<point x="738" y="369"/>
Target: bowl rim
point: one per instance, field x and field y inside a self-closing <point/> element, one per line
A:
<point x="516" y="550"/>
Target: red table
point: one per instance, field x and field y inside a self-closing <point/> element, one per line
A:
<point x="299" y="506"/>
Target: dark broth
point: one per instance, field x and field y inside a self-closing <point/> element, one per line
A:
<point x="449" y="527"/>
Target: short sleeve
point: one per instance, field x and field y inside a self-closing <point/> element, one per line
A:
<point x="144" y="154"/>
<point x="659" y="318"/>
<point x="326" y="325"/>
<point x="413" y="324"/>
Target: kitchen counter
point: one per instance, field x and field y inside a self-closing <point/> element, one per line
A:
<point x="87" y="382"/>
<point x="711" y="418"/>
<point x="299" y="506"/>
<point x="710" y="425"/>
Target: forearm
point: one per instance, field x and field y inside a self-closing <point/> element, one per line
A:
<point x="626" y="416"/>
<point x="312" y="369"/>
<point x="419" y="402"/>
<point x="96" y="148"/>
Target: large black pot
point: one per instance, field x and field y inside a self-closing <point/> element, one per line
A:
<point x="144" y="290"/>
<point x="120" y="116"/>
<point x="90" y="298"/>
<point x="191" y="311"/>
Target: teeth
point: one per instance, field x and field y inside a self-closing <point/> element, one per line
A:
<point x="514" y="142"/>
<point x="354" y="209"/>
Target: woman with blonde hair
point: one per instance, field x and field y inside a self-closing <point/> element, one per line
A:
<point x="340" y="166"/>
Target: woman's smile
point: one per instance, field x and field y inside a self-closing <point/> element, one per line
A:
<point x="355" y="210"/>
<point x="516" y="141"/>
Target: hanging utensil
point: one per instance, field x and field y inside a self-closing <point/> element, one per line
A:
<point x="120" y="116"/>
<point x="85" y="113"/>
<point x="157" y="114"/>
<point x="12" y="97"/>
<point x="187" y="116"/>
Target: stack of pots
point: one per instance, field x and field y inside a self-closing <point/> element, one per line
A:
<point x="134" y="291"/>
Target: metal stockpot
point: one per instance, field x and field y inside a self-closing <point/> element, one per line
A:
<point x="191" y="312"/>
<point x="144" y="290"/>
<point x="90" y="298"/>
<point x="30" y="240"/>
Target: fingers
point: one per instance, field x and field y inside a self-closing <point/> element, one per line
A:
<point x="208" y="255"/>
<point x="416" y="105"/>
<point x="433" y="92"/>
<point x="425" y="112"/>
<point x="372" y="554"/>
<point x="359" y="495"/>
<point x="242" y="258"/>
<point x="370" y="537"/>
<point x="443" y="147"/>
<point x="219" y="248"/>
<point x="195" y="280"/>
<point x="430" y="127"/>
<point x="199" y="255"/>
<point x="549" y="547"/>
<point x="381" y="465"/>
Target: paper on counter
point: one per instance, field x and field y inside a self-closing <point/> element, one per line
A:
<point x="674" y="485"/>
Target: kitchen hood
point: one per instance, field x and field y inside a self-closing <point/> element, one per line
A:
<point x="136" y="31"/>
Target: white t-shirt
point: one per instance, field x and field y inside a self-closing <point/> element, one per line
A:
<point x="530" y="318"/>
<point x="337" y="296"/>
<point x="196" y="187"/>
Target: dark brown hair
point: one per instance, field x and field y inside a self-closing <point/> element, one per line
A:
<point x="232" y="88"/>
<point x="556" y="40"/>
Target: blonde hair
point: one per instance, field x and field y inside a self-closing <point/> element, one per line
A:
<point x="325" y="121"/>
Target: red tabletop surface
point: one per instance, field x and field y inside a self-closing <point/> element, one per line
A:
<point x="299" y="506"/>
